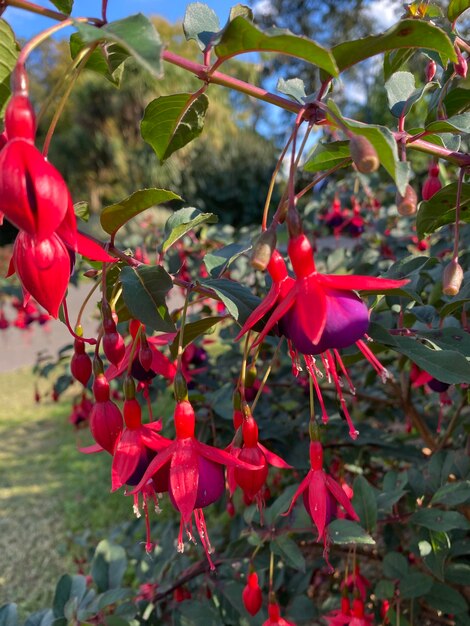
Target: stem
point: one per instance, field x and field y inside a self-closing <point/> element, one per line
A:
<point x="458" y="158"/>
<point x="266" y="376"/>
<point x="311" y="399"/>
<point x="452" y="424"/>
<point x="455" y="256"/>
<point x="273" y="180"/>
<point x="92" y="341"/>
<point x="322" y="176"/>
<point x="85" y="302"/>
<point x="181" y="335"/>
<point x="291" y="185"/>
<point x="135" y="342"/>
<point x="271" y="571"/>
<point x="104" y="8"/>
<point x="35" y="8"/>
<point x="241" y="381"/>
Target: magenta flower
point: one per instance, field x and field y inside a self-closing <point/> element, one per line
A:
<point x="274" y="616"/>
<point x="319" y="488"/>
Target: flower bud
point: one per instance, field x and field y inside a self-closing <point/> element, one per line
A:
<point x="430" y="70"/>
<point x="252" y="596"/>
<point x="461" y="66"/>
<point x="80" y="364"/>
<point x="452" y="279"/>
<point x="20" y="121"/>
<point x="263" y="249"/>
<point x="431" y="186"/>
<point x="406" y="205"/>
<point x="363" y="154"/>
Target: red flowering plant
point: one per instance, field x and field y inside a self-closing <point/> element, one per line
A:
<point x="389" y="509"/>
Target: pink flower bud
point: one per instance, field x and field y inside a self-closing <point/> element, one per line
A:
<point x="252" y="596"/>
<point x="430" y="70"/>
<point x="20" y="121"/>
<point x="80" y="364"/>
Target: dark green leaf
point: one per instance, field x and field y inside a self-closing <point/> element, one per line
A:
<point x="435" y="551"/>
<point x="448" y="339"/>
<point x="343" y="531"/>
<point x="405" y="34"/>
<point x="395" y="60"/>
<point x="445" y="599"/>
<point x="9" y="50"/>
<point x="82" y="210"/>
<point x="384" y="143"/>
<point x="365" y="503"/>
<point x="440" y="210"/>
<point x="293" y="87"/>
<point x="144" y="290"/>
<point x="280" y="505"/>
<point x="45" y="617"/>
<point x="387" y="499"/>
<point x="457" y="124"/>
<point x="182" y="221"/>
<point x="457" y="101"/>
<point x="116" y="215"/>
<point x="395" y="566"/>
<point x="327" y="155"/>
<point x="112" y="596"/>
<point x="200" y="23"/>
<point x="239" y="300"/>
<point x="192" y="331"/>
<point x="241" y="35"/>
<point x="108" y="565"/>
<point x="106" y="62"/>
<point x="458" y="573"/>
<point x="68" y="588"/>
<point x="452" y="493"/>
<point x="65" y="6"/>
<point x="220" y="260"/>
<point x="442" y="521"/>
<point x="135" y="33"/>
<point x="289" y="552"/>
<point x="8" y="615"/>
<point x="456" y="8"/>
<point x="414" y="585"/>
<point x="171" y="122"/>
<point x="384" y="590"/>
<point x="402" y="94"/>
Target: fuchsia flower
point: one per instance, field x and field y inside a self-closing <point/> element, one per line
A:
<point x="252" y="595"/>
<point x="358" y="581"/>
<point x="320" y="490"/>
<point x="354" y="616"/>
<point x="275" y="619"/>
<point x="318" y="313"/>
<point x="196" y="476"/>
<point x="432" y="184"/>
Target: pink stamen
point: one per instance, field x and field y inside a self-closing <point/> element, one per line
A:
<point x="352" y="431"/>
<point x="148" y="543"/>
<point x="296" y="368"/>
<point x="345" y="372"/>
<point x="202" y="530"/>
<point x="326" y="367"/>
<point x="310" y="363"/>
<point x="373" y="360"/>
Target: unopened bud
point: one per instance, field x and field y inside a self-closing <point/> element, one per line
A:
<point x="461" y="66"/>
<point x="20" y="121"/>
<point x="91" y="273"/>
<point x="363" y="154"/>
<point x="430" y="70"/>
<point x="263" y="249"/>
<point x="452" y="279"/>
<point x="250" y="376"/>
<point x="406" y="205"/>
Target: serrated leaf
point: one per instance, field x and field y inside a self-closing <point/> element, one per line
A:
<point x="365" y="503"/>
<point x="218" y="261"/>
<point x="171" y="122"/>
<point x="442" y="521"/>
<point x="82" y="210"/>
<point x="239" y="300"/>
<point x="64" y="6"/>
<point x="402" y="94"/>
<point x="342" y="531"/>
<point x="444" y="598"/>
<point x="289" y="552"/>
<point x="407" y="33"/>
<point x="8" y="615"/>
<point x="414" y="585"/>
<point x="457" y="124"/>
<point x="135" y="33"/>
<point x="241" y="35"/>
<point x="293" y="87"/>
<point x="200" y="23"/>
<point x="440" y="209"/>
<point x="183" y="221"/>
<point x="108" y="566"/>
<point x="456" y="8"/>
<point x="144" y="290"/>
<point x="395" y="566"/>
<point x="116" y="215"/>
<point x="452" y="493"/>
<point x="9" y="50"/>
<point x="192" y="331"/>
<point x="327" y="155"/>
<point x="384" y="143"/>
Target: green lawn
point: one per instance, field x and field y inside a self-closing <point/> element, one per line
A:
<point x="49" y="492"/>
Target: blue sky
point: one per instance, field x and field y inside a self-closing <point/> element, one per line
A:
<point x="27" y="24"/>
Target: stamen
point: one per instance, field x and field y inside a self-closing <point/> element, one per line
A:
<point x="180" y="545"/>
<point x="373" y="360"/>
<point x="135" y="506"/>
<point x="352" y="431"/>
<point x="296" y="367"/>
<point x="345" y="372"/>
<point x="202" y="530"/>
<point x="312" y="370"/>
<point x="148" y="543"/>
<point x="326" y="367"/>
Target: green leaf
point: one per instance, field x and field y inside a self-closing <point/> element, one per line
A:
<point x="327" y="155"/>
<point x="448" y="339"/>
<point x="82" y="210"/>
<point x="68" y="588"/>
<point x="447" y="366"/>
<point x="456" y="8"/>
<point x="220" y="260"/>
<point x="365" y="503"/>
<point x="171" y="122"/>
<point x="112" y="596"/>
<point x="183" y="221"/>
<point x="442" y="521"/>
<point x="280" y="505"/>
<point x="240" y="10"/>
<point x="452" y="493"/>
<point x="402" y="94"/>
<point x="458" y="573"/>
<point x="107" y="63"/>
<point x="289" y="552"/>
<point x="414" y="585"/>
<point x="384" y="590"/>
<point x="135" y="33"/>
<point x="239" y="300"/>
<point x="201" y="24"/>
<point x="457" y="101"/>
<point x="387" y="499"/>
<point x="241" y="35"/>
<point x="8" y="615"/>
<point x="144" y="290"/>
<point x="384" y="142"/>
<point x="344" y="531"/>
<point x="408" y="33"/>
<point x="457" y="124"/>
<point x="395" y="566"/>
<point x="9" y="50"/>
<point x="192" y="331"/>
<point x="108" y="565"/>
<point x="396" y="59"/>
<point x="445" y="599"/>
<point x="45" y="617"/>
<point x="440" y="209"/>
<point x="116" y="215"/>
<point x="65" y="6"/>
<point x="293" y="87"/>
<point x="435" y="557"/>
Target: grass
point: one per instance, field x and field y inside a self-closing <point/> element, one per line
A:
<point x="48" y="492"/>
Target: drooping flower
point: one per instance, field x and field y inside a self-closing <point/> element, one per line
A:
<point x="356" y="580"/>
<point x="341" y="616"/>
<point x="252" y="595"/>
<point x="274" y="616"/>
<point x="80" y="363"/>
<point x="105" y="418"/>
<point x="320" y="489"/>
<point x="432" y="184"/>
<point x="196" y="477"/>
<point x="318" y="313"/>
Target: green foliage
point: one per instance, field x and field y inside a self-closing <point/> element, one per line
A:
<point x="8" y="54"/>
